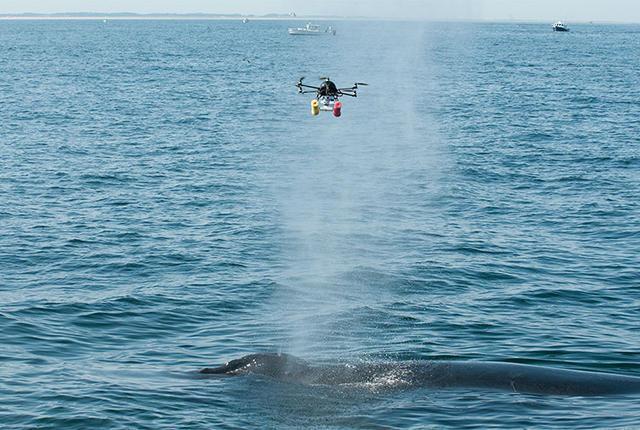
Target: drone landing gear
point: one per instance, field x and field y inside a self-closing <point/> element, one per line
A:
<point x="337" y="109"/>
<point x="326" y="105"/>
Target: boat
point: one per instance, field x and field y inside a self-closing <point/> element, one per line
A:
<point x="560" y="26"/>
<point x="311" y="30"/>
<point x="245" y="20"/>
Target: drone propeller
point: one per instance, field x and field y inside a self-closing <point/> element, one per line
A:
<point x="361" y="84"/>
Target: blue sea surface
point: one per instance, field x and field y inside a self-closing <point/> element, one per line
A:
<point x="167" y="202"/>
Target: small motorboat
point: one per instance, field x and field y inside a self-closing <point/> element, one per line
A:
<point x="311" y="30"/>
<point x="560" y="26"/>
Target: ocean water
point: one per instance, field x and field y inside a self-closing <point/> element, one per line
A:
<point x="168" y="203"/>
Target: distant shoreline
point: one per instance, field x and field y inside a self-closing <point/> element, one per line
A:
<point x="124" y="16"/>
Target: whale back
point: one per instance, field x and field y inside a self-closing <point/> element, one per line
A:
<point x="274" y="365"/>
<point x="512" y="377"/>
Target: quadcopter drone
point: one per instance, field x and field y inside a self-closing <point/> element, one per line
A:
<point x="328" y="95"/>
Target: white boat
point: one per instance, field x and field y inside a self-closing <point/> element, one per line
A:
<point x="560" y="26"/>
<point x="311" y="30"/>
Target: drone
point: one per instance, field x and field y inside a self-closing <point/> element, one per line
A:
<point x="328" y="95"/>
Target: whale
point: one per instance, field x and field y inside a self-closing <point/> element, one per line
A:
<point x="436" y="374"/>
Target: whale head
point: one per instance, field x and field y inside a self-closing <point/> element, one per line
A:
<point x="271" y="364"/>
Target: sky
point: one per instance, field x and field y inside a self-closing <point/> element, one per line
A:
<point x="533" y="10"/>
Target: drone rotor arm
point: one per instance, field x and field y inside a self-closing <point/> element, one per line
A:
<point x="301" y="87"/>
<point x="351" y="92"/>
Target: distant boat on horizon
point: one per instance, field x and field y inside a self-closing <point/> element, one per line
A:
<point x="560" y="26"/>
<point x="311" y="30"/>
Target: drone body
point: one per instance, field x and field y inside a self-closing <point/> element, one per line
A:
<point x="327" y="96"/>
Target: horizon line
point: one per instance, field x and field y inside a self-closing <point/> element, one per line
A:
<point x="272" y="16"/>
